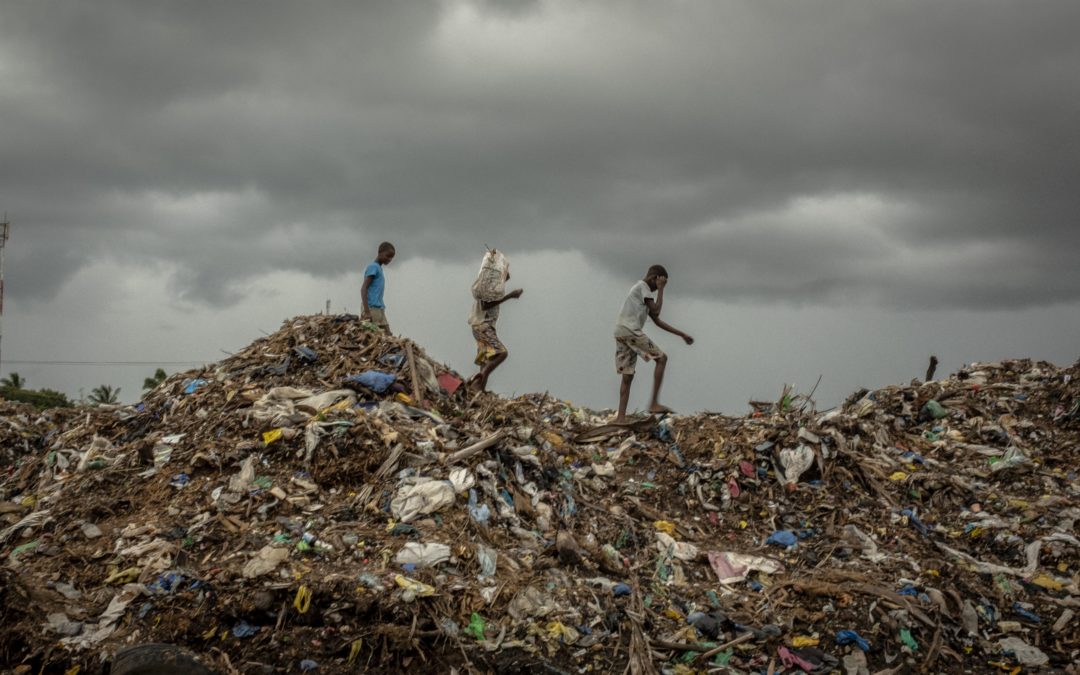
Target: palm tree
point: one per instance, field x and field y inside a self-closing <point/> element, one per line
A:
<point x="153" y="382"/>
<point x="104" y="395"/>
<point x="14" y="380"/>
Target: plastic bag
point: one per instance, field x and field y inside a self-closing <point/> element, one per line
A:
<point x="490" y="284"/>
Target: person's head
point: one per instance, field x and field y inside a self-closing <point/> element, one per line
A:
<point x="386" y="253"/>
<point x="654" y="273"/>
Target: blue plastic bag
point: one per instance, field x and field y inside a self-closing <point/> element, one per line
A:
<point x="782" y="538"/>
<point x="375" y="380"/>
<point x="850" y="637"/>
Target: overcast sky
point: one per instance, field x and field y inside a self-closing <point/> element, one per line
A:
<point x="838" y="188"/>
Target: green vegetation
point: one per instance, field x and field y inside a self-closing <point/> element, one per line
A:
<point x="14" y="380"/>
<point x="152" y="382"/>
<point x="43" y="398"/>
<point x="104" y="395"/>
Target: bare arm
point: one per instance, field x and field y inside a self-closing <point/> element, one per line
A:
<point x="654" y="313"/>
<point x="509" y="296"/>
<point x="672" y="329"/>
<point x="654" y="306"/>
<point x="363" y="295"/>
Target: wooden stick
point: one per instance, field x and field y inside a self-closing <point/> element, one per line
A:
<point x="476" y="448"/>
<point x="745" y="637"/>
<point x="412" y="373"/>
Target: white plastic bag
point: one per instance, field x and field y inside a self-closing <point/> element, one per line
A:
<point x="490" y="284"/>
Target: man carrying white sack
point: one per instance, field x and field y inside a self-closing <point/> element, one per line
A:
<point x="488" y="293"/>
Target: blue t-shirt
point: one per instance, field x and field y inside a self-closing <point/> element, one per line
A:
<point x="375" y="290"/>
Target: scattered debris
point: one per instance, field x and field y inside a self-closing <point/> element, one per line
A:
<point x="323" y="501"/>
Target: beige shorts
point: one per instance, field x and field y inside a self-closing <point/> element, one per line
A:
<point x="378" y="317"/>
<point x="628" y="348"/>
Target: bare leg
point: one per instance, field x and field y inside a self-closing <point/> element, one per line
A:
<point x="492" y="363"/>
<point x="658" y="379"/>
<point x="624" y="397"/>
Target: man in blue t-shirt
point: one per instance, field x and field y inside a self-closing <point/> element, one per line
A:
<point x="374" y="283"/>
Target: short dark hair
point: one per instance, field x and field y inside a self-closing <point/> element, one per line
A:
<point x="656" y="271"/>
<point x="386" y="246"/>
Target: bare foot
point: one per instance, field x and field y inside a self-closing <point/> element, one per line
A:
<point x="657" y="408"/>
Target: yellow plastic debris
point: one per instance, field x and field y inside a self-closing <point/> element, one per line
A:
<point x="898" y="476"/>
<point x="123" y="576"/>
<point x="556" y="630"/>
<point x="1048" y="582"/>
<point x="665" y="526"/>
<point x="354" y="651"/>
<point x="271" y="436"/>
<point x="804" y="641"/>
<point x="553" y="438"/>
<point x="302" y="601"/>
<point x="421" y="589"/>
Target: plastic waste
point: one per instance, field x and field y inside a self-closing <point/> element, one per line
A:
<point x="530" y="602"/>
<point x="191" y="385"/>
<point x="421" y="498"/>
<point x="793" y="463"/>
<point x="850" y="637"/>
<point x="784" y="538"/>
<point x="1027" y="655"/>
<point x="243" y="629"/>
<point x="1026" y="614"/>
<point x="375" y="380"/>
<point x="488" y="559"/>
<point x="908" y="640"/>
<point x="855" y="663"/>
<point x="869" y="547"/>
<point x="412" y="588"/>
<point x="422" y="555"/>
<point x="90" y="530"/>
<point x="677" y="549"/>
<point x="1012" y="458"/>
<point x="476" y="626"/>
<point x="265" y="561"/>
<point x="480" y="513"/>
<point x="932" y="410"/>
<point x="710" y="625"/>
<point x="449" y="383"/>
<point x="731" y="567"/>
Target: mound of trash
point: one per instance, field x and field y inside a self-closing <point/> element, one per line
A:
<point x="332" y="499"/>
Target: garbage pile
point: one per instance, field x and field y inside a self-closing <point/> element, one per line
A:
<point x="332" y="499"/>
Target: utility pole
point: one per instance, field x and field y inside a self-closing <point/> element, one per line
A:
<point x="5" y="227"/>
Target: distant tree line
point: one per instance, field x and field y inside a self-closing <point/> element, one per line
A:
<point x="13" y="388"/>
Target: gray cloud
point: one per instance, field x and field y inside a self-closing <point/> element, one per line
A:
<point x="907" y="155"/>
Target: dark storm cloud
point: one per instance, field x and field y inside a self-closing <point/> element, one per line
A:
<point x="910" y="154"/>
